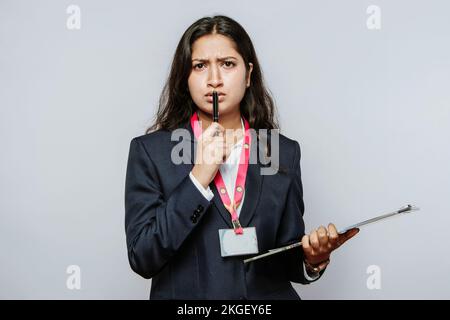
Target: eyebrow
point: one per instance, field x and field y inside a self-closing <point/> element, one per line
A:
<point x="218" y="59"/>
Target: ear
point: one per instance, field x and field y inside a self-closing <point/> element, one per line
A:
<point x="249" y="73"/>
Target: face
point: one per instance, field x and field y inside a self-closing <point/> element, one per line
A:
<point x="216" y="65"/>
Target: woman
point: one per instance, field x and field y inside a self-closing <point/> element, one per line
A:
<point x="185" y="221"/>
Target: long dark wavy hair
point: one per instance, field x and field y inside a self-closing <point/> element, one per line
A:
<point x="175" y="103"/>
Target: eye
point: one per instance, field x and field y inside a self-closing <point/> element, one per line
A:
<point x="229" y="64"/>
<point x="198" y="64"/>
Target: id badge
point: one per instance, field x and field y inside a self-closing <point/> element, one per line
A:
<point x="232" y="244"/>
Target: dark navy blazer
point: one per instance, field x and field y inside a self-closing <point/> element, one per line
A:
<point x="172" y="229"/>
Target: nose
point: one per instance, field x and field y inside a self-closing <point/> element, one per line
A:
<point x="214" y="77"/>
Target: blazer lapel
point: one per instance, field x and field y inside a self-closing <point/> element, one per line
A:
<point x="219" y="205"/>
<point x="253" y="185"/>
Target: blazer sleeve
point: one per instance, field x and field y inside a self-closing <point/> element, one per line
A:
<point x="156" y="227"/>
<point x="292" y="226"/>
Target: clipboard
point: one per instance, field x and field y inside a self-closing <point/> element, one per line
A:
<point x="405" y="209"/>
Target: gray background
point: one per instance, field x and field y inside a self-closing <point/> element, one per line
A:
<point x="370" y="109"/>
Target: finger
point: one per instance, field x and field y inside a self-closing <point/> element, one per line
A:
<point x="351" y="233"/>
<point x="214" y="129"/>
<point x="228" y="150"/>
<point x="307" y="249"/>
<point x="323" y="237"/>
<point x="219" y="149"/>
<point x="323" y="265"/>
<point x="218" y="133"/>
<point x="229" y="134"/>
<point x="314" y="240"/>
<point x="347" y="235"/>
<point x="332" y="234"/>
<point x="219" y="128"/>
<point x="219" y="141"/>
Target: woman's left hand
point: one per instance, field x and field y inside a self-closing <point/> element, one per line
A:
<point x="319" y="244"/>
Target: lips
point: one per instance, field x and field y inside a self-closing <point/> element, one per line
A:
<point x="210" y="98"/>
<point x="209" y="94"/>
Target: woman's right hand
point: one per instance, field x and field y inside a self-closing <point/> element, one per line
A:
<point x="211" y="152"/>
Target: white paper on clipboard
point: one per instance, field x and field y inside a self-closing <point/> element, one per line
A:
<point x="406" y="209"/>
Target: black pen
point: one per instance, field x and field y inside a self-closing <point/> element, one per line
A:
<point x="215" y="107"/>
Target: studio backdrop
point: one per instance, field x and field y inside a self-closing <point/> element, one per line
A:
<point x="363" y="86"/>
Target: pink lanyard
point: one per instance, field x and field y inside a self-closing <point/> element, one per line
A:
<point x="240" y="179"/>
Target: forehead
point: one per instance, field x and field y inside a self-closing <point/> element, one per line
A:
<point x="213" y="45"/>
